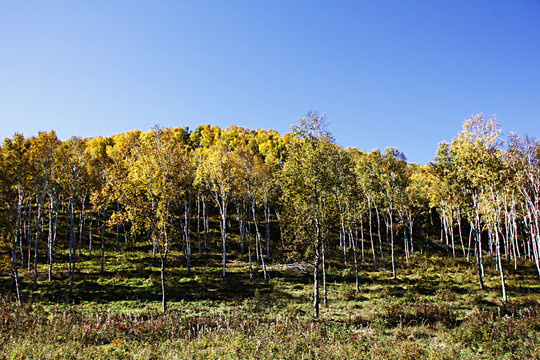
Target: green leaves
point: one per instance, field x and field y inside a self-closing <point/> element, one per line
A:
<point x="310" y="179"/>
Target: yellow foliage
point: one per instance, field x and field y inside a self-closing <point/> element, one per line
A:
<point x="5" y="263"/>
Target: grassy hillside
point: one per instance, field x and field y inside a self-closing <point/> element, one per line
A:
<point x="433" y="310"/>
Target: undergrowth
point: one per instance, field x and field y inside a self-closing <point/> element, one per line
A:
<point x="433" y="310"/>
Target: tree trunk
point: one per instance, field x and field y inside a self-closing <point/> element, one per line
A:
<point x="49" y="237"/>
<point x="379" y="228"/>
<point x="163" y="258"/>
<point x="104" y="214"/>
<point x="371" y="237"/>
<point x="117" y="231"/>
<point x="258" y="243"/>
<point x="125" y="236"/>
<point x="267" y="226"/>
<point x="154" y="243"/>
<point x="499" y="260"/>
<point x="477" y="253"/>
<point x="40" y="203"/>
<point x="402" y="215"/>
<point x="239" y="217"/>
<point x="280" y="229"/>
<point x="15" y="272"/>
<point x="71" y="245"/>
<point x="392" y="242"/>
<point x="205" y="222"/>
<point x="325" y="291"/>
<point x="480" y="252"/>
<point x="515" y="244"/>
<point x="15" y="235"/>
<point x="490" y="243"/>
<point x="90" y="235"/>
<point x="469" y="248"/>
<point x="478" y="237"/>
<point x="223" y="210"/>
<point x="82" y="221"/>
<point x="316" y="277"/>
<point x="342" y="239"/>
<point x="459" y="229"/>
<point x="187" y="232"/>
<point x="361" y="237"/>
<point x="451" y="230"/>
<point x="28" y="232"/>
<point x="199" y="222"/>
<point x="54" y="203"/>
<point x="405" y="242"/>
<point x="249" y="247"/>
<point x="443" y="227"/>
<point x="411" y="227"/>
<point x="355" y="259"/>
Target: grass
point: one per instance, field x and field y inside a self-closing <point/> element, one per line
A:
<point x="433" y="310"/>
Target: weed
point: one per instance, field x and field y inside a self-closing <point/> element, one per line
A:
<point x="419" y="311"/>
<point x="515" y="335"/>
<point x="432" y="310"/>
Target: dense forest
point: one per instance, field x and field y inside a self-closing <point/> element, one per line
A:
<point x="296" y="198"/>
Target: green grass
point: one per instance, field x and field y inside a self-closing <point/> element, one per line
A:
<point x="433" y="310"/>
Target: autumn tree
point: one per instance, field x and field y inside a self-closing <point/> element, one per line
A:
<point x="15" y="169"/>
<point x="42" y="154"/>
<point x="477" y="154"/>
<point x="395" y="181"/>
<point x="367" y="175"/>
<point x="309" y="189"/>
<point x="70" y="167"/>
<point x="523" y="161"/>
<point x="417" y="200"/>
<point x="217" y="171"/>
<point x="155" y="167"/>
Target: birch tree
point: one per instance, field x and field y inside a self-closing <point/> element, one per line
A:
<point x="309" y="182"/>
<point x="70" y="168"/>
<point x="217" y="170"/>
<point x="477" y="152"/>
<point x="42" y="151"/>
<point x="149" y="191"/>
<point x="14" y="189"/>
<point x="394" y="182"/>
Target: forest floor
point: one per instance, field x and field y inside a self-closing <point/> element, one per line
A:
<point x="434" y="309"/>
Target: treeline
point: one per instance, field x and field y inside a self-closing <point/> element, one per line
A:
<point x="300" y="193"/>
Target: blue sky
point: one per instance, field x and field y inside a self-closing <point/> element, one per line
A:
<point x="386" y="73"/>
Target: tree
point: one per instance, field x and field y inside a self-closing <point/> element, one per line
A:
<point x="106" y="171"/>
<point x="417" y="203"/>
<point x="477" y="153"/>
<point x="42" y="151"/>
<point x="217" y="171"/>
<point x="15" y="170"/>
<point x="149" y="192"/>
<point x="395" y="181"/>
<point x="523" y="160"/>
<point x="368" y="182"/>
<point x="251" y="187"/>
<point x="70" y="167"/>
<point x="309" y="180"/>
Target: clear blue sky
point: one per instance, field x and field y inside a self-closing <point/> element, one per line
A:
<point x="386" y="73"/>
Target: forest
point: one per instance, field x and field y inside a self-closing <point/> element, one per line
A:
<point x="179" y="243"/>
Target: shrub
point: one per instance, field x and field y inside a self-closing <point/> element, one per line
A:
<point x="515" y="335"/>
<point x="418" y="312"/>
